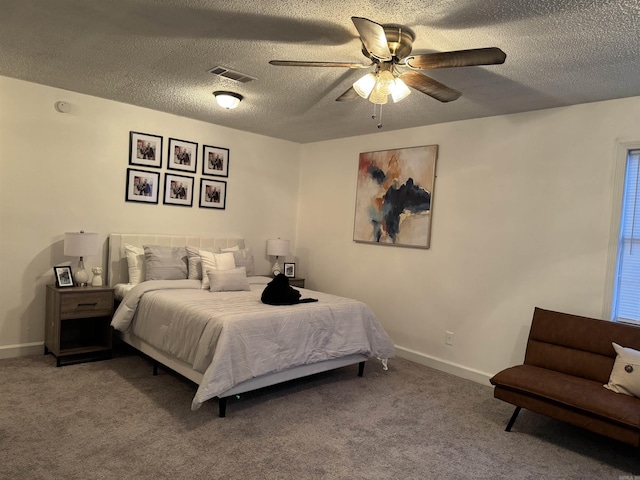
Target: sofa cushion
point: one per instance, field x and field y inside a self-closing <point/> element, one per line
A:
<point x="575" y="392"/>
<point x="575" y="345"/>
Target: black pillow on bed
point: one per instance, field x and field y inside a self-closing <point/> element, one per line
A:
<point x="279" y="292"/>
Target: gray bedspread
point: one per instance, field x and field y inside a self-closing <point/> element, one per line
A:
<point x="232" y="337"/>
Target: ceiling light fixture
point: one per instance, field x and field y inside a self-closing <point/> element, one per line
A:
<point x="228" y="100"/>
<point x="379" y="85"/>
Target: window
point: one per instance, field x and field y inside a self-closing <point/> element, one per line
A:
<point x="626" y="291"/>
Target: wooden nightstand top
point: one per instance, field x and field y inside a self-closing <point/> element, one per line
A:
<point x="88" y="289"/>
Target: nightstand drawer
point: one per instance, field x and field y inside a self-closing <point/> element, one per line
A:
<point x="85" y="304"/>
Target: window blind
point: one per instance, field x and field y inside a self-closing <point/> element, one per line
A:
<point x="627" y="292"/>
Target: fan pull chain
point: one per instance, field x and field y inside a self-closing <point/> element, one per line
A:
<point x="374" y="116"/>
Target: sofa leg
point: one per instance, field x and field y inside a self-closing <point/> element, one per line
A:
<point x="513" y="419"/>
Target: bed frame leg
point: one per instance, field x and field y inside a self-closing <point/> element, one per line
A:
<point x="513" y="419"/>
<point x="361" y="369"/>
<point x="222" y="407"/>
<point x="155" y="368"/>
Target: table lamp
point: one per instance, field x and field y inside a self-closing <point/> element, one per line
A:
<point x="277" y="247"/>
<point x="81" y="244"/>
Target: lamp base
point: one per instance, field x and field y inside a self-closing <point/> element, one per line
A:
<point x="80" y="276"/>
<point x="276" y="270"/>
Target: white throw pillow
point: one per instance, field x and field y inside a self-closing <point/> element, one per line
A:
<point x="235" y="248"/>
<point x="136" y="263"/>
<point x="234" y="280"/>
<point x="625" y="376"/>
<point x="215" y="261"/>
<point x="195" y="264"/>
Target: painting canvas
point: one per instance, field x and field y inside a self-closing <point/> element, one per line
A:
<point x="395" y="195"/>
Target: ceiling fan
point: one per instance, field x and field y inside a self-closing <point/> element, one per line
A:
<point x="388" y="46"/>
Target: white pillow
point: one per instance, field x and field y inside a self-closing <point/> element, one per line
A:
<point x="625" y="376"/>
<point x="136" y="263"/>
<point x="235" y="248"/>
<point x="195" y="264"/>
<point x="215" y="261"/>
<point x="234" y="280"/>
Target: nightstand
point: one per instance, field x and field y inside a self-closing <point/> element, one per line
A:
<point x="78" y="323"/>
<point x="296" y="282"/>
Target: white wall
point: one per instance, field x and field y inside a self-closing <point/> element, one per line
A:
<point x="521" y="218"/>
<point x="521" y="215"/>
<point x="66" y="172"/>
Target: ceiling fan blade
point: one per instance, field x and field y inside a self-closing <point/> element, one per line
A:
<point x="350" y="94"/>
<point x="373" y="38"/>
<point x="429" y="86"/>
<point x="294" y="63"/>
<point x="459" y="58"/>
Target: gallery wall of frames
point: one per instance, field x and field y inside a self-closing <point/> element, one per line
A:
<point x="150" y="176"/>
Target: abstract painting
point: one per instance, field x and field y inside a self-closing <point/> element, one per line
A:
<point x="395" y="195"/>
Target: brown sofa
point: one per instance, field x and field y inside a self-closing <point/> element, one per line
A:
<point x="567" y="362"/>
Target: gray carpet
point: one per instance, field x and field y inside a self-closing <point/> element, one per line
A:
<point x="114" y="420"/>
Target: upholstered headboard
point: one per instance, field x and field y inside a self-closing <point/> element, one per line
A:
<point x="118" y="270"/>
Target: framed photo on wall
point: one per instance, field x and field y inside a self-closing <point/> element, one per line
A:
<point x="289" y="269"/>
<point x="182" y="155"/>
<point x="215" y="161"/>
<point x="178" y="190"/>
<point x="145" y="150"/>
<point x="213" y="193"/>
<point x="64" y="277"/>
<point x="142" y="186"/>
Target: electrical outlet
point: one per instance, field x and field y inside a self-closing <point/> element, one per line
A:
<point x="448" y="339"/>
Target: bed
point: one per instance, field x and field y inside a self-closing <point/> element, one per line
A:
<point x="227" y="341"/>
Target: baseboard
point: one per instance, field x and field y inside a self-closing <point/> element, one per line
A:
<point x="444" y="366"/>
<point x="21" y="350"/>
<point x="37" y="348"/>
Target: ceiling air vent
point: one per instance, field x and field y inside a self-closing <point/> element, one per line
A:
<point x="233" y="75"/>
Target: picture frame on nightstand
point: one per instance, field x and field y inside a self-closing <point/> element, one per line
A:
<point x="64" y="276"/>
<point x="289" y="269"/>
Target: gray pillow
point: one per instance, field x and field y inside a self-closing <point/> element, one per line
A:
<point x="234" y="280"/>
<point x="244" y="258"/>
<point x="165" y="263"/>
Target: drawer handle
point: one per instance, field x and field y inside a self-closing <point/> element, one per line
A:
<point x="88" y="304"/>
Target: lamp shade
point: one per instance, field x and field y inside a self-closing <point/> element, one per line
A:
<point x="364" y="86"/>
<point x="399" y="90"/>
<point x="81" y="244"/>
<point x="277" y="247"/>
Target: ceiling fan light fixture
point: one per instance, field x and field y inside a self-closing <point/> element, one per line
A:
<point x="364" y="86"/>
<point x="385" y="82"/>
<point x="399" y="90"/>
<point x="228" y="100"/>
<point x="378" y="97"/>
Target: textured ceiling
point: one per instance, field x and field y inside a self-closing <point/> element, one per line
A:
<point x="157" y="54"/>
